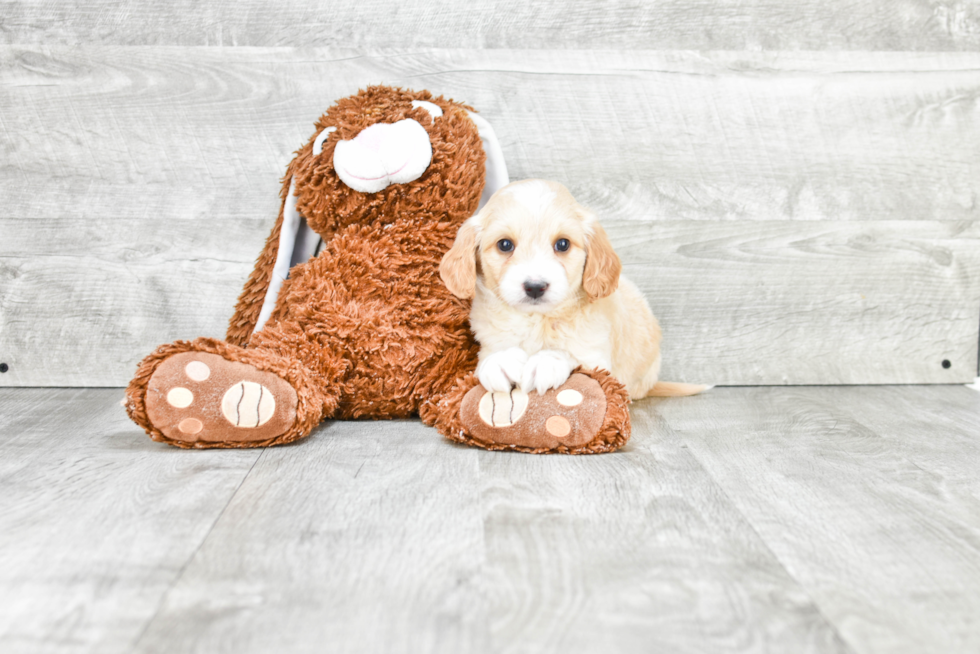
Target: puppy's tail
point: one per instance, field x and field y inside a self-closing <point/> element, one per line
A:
<point x="676" y="389"/>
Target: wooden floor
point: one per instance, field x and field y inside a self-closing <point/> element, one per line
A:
<point x="776" y="519"/>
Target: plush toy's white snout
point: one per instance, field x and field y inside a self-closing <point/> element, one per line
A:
<point x="383" y="154"/>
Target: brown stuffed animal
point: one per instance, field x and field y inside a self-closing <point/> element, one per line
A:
<point x="366" y="328"/>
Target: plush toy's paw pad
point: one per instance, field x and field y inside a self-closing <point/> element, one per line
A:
<point x="566" y="417"/>
<point x="198" y="396"/>
<point x="503" y="409"/>
<point x="247" y="404"/>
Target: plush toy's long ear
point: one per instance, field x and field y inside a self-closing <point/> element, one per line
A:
<point x="291" y="242"/>
<point x="496" y="169"/>
<point x="458" y="266"/>
<point x="602" y="265"/>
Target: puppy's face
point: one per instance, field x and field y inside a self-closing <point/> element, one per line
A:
<point x="532" y="247"/>
<point x="536" y="248"/>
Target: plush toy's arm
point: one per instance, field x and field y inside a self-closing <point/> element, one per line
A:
<point x="249" y="306"/>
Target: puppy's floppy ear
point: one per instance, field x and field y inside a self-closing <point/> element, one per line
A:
<point x="458" y="267"/>
<point x="602" y="265"/>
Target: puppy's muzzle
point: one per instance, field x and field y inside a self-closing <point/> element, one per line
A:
<point x="535" y="289"/>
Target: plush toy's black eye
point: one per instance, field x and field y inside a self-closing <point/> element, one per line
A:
<point x="562" y="245"/>
<point x="505" y="245"/>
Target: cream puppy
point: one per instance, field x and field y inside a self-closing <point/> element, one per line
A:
<point x="548" y="295"/>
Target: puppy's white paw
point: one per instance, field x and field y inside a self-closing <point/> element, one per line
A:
<point x="546" y="369"/>
<point x="501" y="370"/>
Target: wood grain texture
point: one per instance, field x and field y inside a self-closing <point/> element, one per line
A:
<point x="740" y="302"/>
<point x="96" y="520"/>
<point x="950" y="411"/>
<point x="637" y="551"/>
<point x="689" y="25"/>
<point x="139" y="184"/>
<point x="860" y="497"/>
<point x="365" y="537"/>
<point x="651" y="135"/>
<point x="815" y="302"/>
<point x="85" y="316"/>
<point x="810" y="519"/>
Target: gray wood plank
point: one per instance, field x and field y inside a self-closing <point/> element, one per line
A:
<point x="87" y="317"/>
<point x="637" y="551"/>
<point x="740" y="303"/>
<point x="366" y="537"/>
<point x="815" y="302"/>
<point x="689" y="25"/>
<point x="134" y="173"/>
<point x="96" y="521"/>
<point x="812" y="519"/>
<point x="888" y="548"/>
<point x="950" y="411"/>
<point x="120" y="132"/>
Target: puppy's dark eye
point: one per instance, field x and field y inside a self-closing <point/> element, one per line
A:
<point x="562" y="245"/>
<point x="505" y="245"/>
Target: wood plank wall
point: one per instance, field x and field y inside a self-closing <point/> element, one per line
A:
<point x="793" y="185"/>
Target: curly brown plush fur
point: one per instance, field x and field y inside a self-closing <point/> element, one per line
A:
<point x="366" y="329"/>
<point x="445" y="196"/>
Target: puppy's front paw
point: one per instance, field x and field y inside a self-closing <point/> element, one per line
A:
<point x="501" y="370"/>
<point x="546" y="369"/>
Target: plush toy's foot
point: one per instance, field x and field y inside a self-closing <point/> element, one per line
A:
<point x="198" y="395"/>
<point x="587" y="414"/>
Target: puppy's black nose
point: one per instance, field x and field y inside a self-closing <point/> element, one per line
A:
<point x="535" y="290"/>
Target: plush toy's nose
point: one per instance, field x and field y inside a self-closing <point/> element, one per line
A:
<point x="383" y="154"/>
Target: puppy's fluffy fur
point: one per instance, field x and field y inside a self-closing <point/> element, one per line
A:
<point x="548" y="295"/>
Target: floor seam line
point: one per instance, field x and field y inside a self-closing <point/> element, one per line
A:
<point x="193" y="555"/>
<point x="763" y="541"/>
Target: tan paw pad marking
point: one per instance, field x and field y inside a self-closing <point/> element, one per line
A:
<point x="190" y="425"/>
<point x="197" y="370"/>
<point x="247" y="404"/>
<point x="503" y="409"/>
<point x="180" y="397"/>
<point x="569" y="397"/>
<point x="558" y="426"/>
